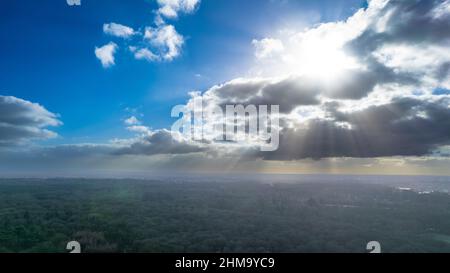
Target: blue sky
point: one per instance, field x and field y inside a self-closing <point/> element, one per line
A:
<point x="363" y="86"/>
<point x="48" y="56"/>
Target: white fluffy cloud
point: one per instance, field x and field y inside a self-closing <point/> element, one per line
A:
<point x="118" y="30"/>
<point x="161" y="42"/>
<point x="106" y="54"/>
<point x="171" y="8"/>
<point x="144" y="54"/>
<point x="166" y="39"/>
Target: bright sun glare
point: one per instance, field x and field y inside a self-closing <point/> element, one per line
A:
<point x="321" y="59"/>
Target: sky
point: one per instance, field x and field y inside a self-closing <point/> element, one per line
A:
<point x="88" y="89"/>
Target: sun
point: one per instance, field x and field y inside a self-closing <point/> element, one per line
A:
<point x="321" y="59"/>
<point x="324" y="61"/>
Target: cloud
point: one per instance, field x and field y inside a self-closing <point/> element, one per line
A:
<point x="160" y="42"/>
<point x="106" y="54"/>
<point x="144" y="54"/>
<point x="171" y="8"/>
<point x="267" y="47"/>
<point x="287" y="92"/>
<point x="398" y="18"/>
<point x="168" y="41"/>
<point x="144" y="130"/>
<point x="118" y="30"/>
<point x="409" y="39"/>
<point x="368" y="91"/>
<point x="404" y="127"/>
<point x="132" y="121"/>
<point x="94" y="160"/>
<point x="160" y="142"/>
<point x="22" y="121"/>
<point x="373" y="46"/>
<point x="362" y="88"/>
<point x="441" y="11"/>
<point x="149" y="142"/>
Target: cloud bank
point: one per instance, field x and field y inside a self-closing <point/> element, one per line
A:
<point x="369" y="90"/>
<point x="22" y="121"/>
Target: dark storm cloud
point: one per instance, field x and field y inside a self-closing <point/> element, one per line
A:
<point x="405" y="127"/>
<point x="21" y="120"/>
